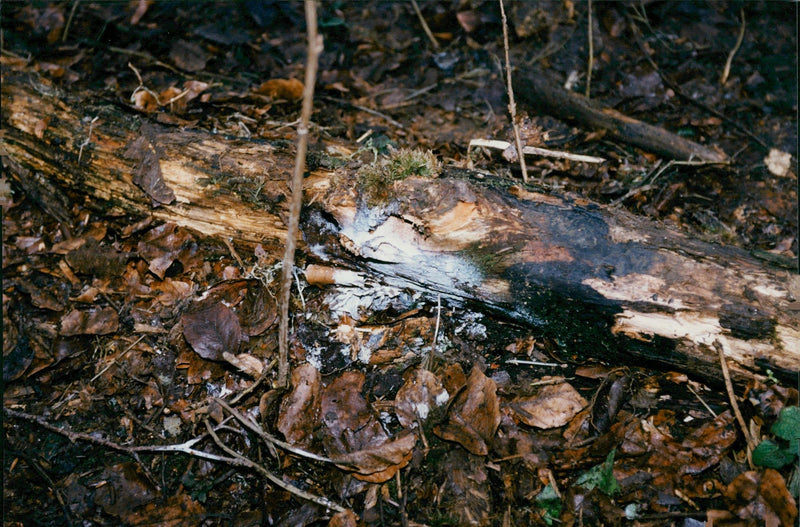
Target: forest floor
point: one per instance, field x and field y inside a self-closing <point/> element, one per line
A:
<point x="436" y="414"/>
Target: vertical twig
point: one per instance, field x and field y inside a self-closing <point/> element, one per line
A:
<point x="315" y="47"/>
<point x="727" y="70"/>
<point x="69" y="20"/>
<point x="429" y="358"/>
<point x="425" y="27"/>
<point x="512" y="107"/>
<point x="591" y="53"/>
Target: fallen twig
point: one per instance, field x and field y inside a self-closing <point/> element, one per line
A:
<point x="727" y="69"/>
<point x="187" y="447"/>
<point x="288" y="487"/>
<point x="532" y="150"/>
<point x="260" y="432"/>
<point x="751" y="444"/>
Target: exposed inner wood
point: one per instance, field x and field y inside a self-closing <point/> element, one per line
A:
<point x="601" y="280"/>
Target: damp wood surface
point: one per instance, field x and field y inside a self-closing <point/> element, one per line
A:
<point x="625" y="286"/>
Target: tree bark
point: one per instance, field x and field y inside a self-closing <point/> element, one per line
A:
<point x="602" y="281"/>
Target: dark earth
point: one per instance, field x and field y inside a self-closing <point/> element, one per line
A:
<point x="112" y="351"/>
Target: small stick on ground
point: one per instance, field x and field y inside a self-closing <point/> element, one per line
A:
<point x="288" y="487"/>
<point x="187" y="447"/>
<point x="512" y="106"/>
<point x="425" y="27"/>
<point x="314" y="50"/>
<point x="727" y="70"/>
<point x="751" y="445"/>
<point x="558" y="154"/>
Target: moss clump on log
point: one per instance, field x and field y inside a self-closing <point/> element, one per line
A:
<point x="376" y="179"/>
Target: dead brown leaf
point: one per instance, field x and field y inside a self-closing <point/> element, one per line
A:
<point x="421" y="393"/>
<point x="380" y="463"/>
<point x="122" y="488"/>
<point x="100" y="321"/>
<point x="553" y="406"/>
<point x="474" y="415"/>
<point x="354" y="437"/>
<point x="212" y="330"/>
<point x="762" y="497"/>
<point x="299" y="410"/>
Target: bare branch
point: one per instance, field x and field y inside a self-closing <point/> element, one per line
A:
<point x="314" y="49"/>
<point x="325" y="502"/>
<point x="512" y="106"/>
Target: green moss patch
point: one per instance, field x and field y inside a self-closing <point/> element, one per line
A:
<point x="376" y="179"/>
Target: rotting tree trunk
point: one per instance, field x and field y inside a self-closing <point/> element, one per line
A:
<point x="599" y="280"/>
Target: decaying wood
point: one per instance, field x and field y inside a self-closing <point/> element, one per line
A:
<point x="535" y="88"/>
<point x="601" y="281"/>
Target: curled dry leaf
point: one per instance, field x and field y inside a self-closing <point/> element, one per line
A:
<point x="299" y="411"/>
<point x="148" y="176"/>
<point x="421" y="392"/>
<point x="212" y="330"/>
<point x="474" y="416"/>
<point x="553" y="406"/>
<point x="380" y="463"/>
<point x="244" y="362"/>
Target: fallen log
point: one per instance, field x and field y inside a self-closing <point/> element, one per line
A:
<point x="599" y="280"/>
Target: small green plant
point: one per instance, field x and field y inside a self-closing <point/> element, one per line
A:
<point x="784" y="450"/>
<point x="550" y="504"/>
<point x="377" y="178"/>
<point x="601" y="477"/>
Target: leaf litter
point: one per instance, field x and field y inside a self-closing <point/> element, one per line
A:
<point x="124" y="329"/>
